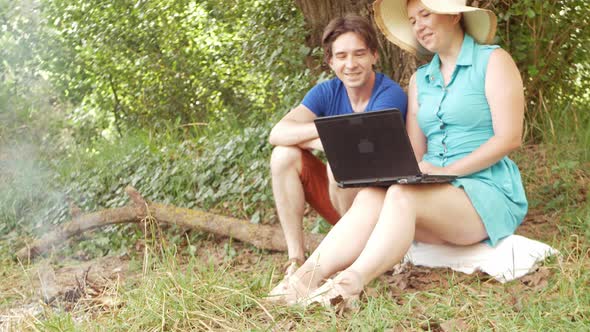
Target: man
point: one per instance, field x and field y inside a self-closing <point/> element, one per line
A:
<point x="350" y="49"/>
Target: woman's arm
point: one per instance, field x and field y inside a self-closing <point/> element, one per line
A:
<point x="504" y="93"/>
<point x="417" y="138"/>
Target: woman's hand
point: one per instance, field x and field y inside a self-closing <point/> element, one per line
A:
<point x="428" y="168"/>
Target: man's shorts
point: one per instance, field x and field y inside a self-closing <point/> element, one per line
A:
<point x="315" y="186"/>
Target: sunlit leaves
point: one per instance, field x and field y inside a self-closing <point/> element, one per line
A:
<point x="549" y="41"/>
<point x="143" y="63"/>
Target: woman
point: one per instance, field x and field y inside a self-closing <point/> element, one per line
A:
<point x="465" y="114"/>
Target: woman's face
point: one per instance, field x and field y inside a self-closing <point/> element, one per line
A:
<point x="433" y="31"/>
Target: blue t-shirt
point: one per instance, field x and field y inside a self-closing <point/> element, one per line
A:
<point x="330" y="97"/>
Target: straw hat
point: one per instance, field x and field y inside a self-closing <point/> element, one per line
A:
<point x="391" y="17"/>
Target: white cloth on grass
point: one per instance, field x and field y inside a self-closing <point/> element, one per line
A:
<point x="512" y="258"/>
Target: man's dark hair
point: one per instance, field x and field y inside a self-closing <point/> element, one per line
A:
<point x="348" y="23"/>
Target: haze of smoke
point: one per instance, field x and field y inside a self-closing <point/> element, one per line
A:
<point x="27" y="198"/>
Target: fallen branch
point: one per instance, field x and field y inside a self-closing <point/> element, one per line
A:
<point x="268" y="237"/>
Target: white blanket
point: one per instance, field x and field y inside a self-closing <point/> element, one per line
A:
<point x="512" y="258"/>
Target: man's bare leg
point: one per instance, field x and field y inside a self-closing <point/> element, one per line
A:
<point x="341" y="198"/>
<point x="285" y="165"/>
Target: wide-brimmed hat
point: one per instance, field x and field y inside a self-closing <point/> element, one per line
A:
<point x="391" y="17"/>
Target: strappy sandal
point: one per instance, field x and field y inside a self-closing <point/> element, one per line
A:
<point x="334" y="294"/>
<point x="291" y="266"/>
<point x="290" y="290"/>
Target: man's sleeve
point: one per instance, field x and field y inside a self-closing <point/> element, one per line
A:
<point x="392" y="97"/>
<point x="317" y="99"/>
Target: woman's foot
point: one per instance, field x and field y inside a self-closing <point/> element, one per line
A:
<point x="292" y="265"/>
<point x="342" y="292"/>
<point x="290" y="290"/>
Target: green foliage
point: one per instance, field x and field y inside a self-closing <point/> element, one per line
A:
<point x="549" y="41"/>
<point x="225" y="171"/>
<point x="30" y="115"/>
<point x="144" y="63"/>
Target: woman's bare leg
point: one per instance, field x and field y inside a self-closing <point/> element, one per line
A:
<point x="438" y="211"/>
<point x="345" y="241"/>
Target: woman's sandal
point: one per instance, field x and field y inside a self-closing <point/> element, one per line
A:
<point x="290" y="290"/>
<point x="292" y="265"/>
<point x="337" y="293"/>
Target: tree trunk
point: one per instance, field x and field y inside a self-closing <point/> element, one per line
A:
<point x="397" y="64"/>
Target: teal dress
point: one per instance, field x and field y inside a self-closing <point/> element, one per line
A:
<point x="456" y="120"/>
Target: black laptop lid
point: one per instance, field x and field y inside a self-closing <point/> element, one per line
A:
<point x="368" y="145"/>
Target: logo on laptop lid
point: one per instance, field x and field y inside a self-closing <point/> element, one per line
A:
<point x="366" y="146"/>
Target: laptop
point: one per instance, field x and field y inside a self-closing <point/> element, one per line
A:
<point x="371" y="149"/>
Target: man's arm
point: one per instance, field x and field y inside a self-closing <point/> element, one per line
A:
<point x="296" y="128"/>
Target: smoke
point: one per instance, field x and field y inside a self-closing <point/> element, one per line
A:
<point x="28" y="199"/>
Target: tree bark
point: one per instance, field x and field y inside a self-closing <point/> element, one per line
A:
<point x="268" y="237"/>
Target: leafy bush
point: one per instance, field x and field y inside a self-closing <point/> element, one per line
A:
<point x="149" y="63"/>
<point x="549" y="41"/>
<point x="224" y="172"/>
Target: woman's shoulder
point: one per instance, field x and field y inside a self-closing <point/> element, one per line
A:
<point x="500" y="60"/>
<point x="487" y="56"/>
<point x="482" y="52"/>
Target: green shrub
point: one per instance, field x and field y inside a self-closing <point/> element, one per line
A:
<point x="147" y="64"/>
<point x="549" y="41"/>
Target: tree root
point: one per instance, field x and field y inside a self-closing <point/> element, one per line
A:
<point x="268" y="237"/>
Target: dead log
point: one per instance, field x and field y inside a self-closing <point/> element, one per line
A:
<point x="268" y="237"/>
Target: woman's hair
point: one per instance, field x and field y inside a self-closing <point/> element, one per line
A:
<point x="462" y="23"/>
<point x="348" y="23"/>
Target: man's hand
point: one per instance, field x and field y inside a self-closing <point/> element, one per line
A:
<point x="428" y="168"/>
<point x="314" y="144"/>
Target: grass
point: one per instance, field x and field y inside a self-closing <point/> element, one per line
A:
<point x="208" y="291"/>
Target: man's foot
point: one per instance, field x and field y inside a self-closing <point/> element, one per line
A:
<point x="342" y="292"/>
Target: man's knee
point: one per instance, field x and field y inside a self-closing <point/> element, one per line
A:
<point x="285" y="157"/>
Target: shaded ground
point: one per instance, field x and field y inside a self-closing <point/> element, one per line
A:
<point x="90" y="287"/>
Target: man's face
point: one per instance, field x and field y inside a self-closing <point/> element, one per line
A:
<point x="352" y="61"/>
